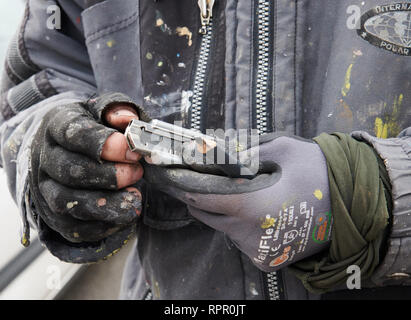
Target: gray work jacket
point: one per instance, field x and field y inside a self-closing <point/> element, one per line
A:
<point x="298" y="67"/>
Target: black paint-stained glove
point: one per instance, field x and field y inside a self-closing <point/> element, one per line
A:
<point x="279" y="217"/>
<point x="74" y="192"/>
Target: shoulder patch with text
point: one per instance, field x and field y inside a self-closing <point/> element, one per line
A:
<point x="388" y="27"/>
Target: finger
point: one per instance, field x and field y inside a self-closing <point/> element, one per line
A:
<point x="119" y="116"/>
<point x="75" y="130"/>
<point x="75" y="230"/>
<point x="128" y="174"/>
<point x="78" y="171"/>
<point x="116" y="149"/>
<point x="180" y="181"/>
<point x="117" y="207"/>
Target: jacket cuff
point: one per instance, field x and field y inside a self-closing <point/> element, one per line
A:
<point x="395" y="269"/>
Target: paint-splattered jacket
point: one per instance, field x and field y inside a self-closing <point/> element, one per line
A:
<point x="306" y="66"/>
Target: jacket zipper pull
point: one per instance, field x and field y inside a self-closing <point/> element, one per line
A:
<point x="206" y="12"/>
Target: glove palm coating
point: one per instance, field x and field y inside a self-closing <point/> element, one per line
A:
<point x="280" y="216"/>
<point x="74" y="191"/>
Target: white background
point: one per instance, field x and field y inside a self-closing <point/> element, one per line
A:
<point x="11" y="12"/>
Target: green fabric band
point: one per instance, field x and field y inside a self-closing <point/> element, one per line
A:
<point x="359" y="185"/>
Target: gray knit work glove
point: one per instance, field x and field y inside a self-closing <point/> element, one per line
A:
<point x="280" y="216"/>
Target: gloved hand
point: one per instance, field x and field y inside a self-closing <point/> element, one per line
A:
<point x="280" y="216"/>
<point x="80" y="169"/>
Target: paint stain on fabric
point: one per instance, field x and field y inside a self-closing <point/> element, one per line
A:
<point x="12" y="146"/>
<point x="380" y="128"/>
<point x="318" y="194"/>
<point x="347" y="81"/>
<point x="24" y="241"/>
<point x="357" y="53"/>
<point x="185" y="32"/>
<point x="159" y="23"/>
<point x="156" y="289"/>
<point x="110" y="43"/>
<point x="347" y="78"/>
<point x="345" y="111"/>
<point x="71" y="205"/>
<point x="389" y="127"/>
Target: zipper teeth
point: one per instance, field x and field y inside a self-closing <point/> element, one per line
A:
<point x="199" y="79"/>
<point x="263" y="64"/>
<point x="272" y="286"/>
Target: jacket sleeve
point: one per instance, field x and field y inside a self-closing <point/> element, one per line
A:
<point x="44" y="68"/>
<point x="395" y="269"/>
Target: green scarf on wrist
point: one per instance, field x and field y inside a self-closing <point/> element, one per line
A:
<point x="359" y="189"/>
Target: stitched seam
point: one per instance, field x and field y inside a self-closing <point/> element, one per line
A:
<point x="6" y="111"/>
<point x="12" y="74"/>
<point x="22" y="50"/>
<point x="43" y="85"/>
<point x="112" y="28"/>
<point x="295" y="66"/>
<point x="405" y="151"/>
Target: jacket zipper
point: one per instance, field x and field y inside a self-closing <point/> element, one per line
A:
<point x="272" y="286"/>
<point x="206" y="8"/>
<point x="263" y="14"/>
<point x="271" y="279"/>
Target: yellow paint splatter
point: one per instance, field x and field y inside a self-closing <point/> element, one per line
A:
<point x="110" y="43"/>
<point x="389" y="127"/>
<point x="381" y="128"/>
<point x="268" y="222"/>
<point x="156" y="290"/>
<point x="347" y="81"/>
<point x="24" y="241"/>
<point x="400" y="98"/>
<point x="184" y="31"/>
<point x="318" y="194"/>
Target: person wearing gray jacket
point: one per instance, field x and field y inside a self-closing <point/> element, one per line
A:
<point x="324" y="84"/>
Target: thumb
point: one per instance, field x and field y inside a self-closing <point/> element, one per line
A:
<point x="119" y="116"/>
